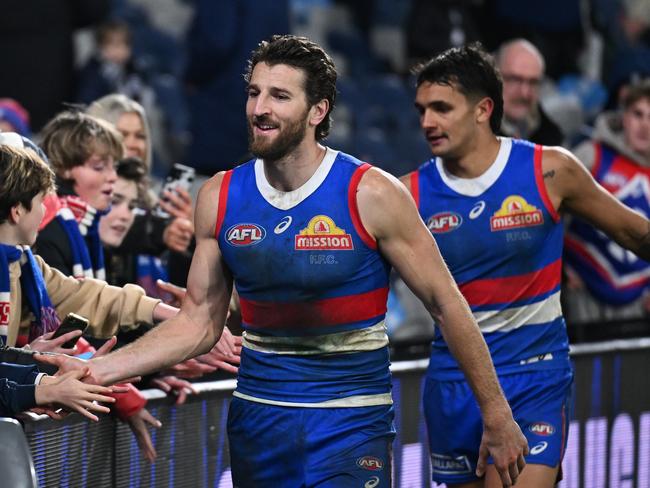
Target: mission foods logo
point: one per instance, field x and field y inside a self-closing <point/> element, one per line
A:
<point x="322" y="234"/>
<point x="245" y="235"/>
<point x="515" y="212"/>
<point x="444" y="222"/>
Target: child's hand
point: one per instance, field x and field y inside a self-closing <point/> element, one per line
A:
<point x="71" y="393"/>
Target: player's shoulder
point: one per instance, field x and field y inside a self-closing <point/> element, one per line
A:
<point x="382" y="193"/>
<point x="377" y="182"/>
<point x="558" y="158"/>
<point x="208" y="201"/>
<point x="212" y="186"/>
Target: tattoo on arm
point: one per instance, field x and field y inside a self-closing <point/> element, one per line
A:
<point x="549" y="174"/>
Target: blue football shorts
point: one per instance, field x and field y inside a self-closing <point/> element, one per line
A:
<point x="292" y="447"/>
<point x="540" y="403"/>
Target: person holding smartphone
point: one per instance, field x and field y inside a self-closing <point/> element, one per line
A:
<point x="48" y="294"/>
<point x="169" y="231"/>
<point x="25" y="278"/>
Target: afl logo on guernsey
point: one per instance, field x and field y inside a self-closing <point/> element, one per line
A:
<point x="245" y="235"/>
<point x="444" y="222"/>
<point x="322" y="234"/>
<point x="515" y="212"/>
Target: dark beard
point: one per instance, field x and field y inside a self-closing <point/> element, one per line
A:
<point x="286" y="142"/>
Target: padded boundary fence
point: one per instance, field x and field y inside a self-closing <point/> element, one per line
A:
<point x="608" y="446"/>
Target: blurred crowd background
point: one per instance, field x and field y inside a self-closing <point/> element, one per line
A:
<point x="183" y="60"/>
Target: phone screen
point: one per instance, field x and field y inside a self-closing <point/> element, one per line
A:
<point x="68" y="324"/>
<point x="180" y="176"/>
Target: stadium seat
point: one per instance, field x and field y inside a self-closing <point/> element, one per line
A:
<point x="16" y="463"/>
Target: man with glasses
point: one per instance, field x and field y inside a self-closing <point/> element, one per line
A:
<point x="522" y="68"/>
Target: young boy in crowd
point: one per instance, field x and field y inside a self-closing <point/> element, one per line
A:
<point x="24" y="181"/>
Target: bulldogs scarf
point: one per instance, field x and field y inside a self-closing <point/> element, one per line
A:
<point x="33" y="289"/>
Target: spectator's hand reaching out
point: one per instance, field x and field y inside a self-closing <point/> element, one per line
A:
<point x="175" y="386"/>
<point x="45" y="343"/>
<point x="138" y="424"/>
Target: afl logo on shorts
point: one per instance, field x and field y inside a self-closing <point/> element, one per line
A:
<point x="245" y="235"/>
<point x="370" y="463"/>
<point x="542" y="428"/>
<point x="444" y="222"/>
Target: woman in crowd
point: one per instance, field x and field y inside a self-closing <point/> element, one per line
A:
<point x="150" y="235"/>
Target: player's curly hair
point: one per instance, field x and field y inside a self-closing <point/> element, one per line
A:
<point x="301" y="53"/>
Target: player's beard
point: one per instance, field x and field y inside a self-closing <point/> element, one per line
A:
<point x="286" y="141"/>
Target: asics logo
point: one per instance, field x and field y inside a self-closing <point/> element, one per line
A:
<point x="477" y="210"/>
<point x="282" y="226"/>
<point x="372" y="482"/>
<point x="539" y="448"/>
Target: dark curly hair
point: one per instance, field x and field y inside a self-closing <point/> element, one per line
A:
<point x="301" y="53"/>
<point x="472" y="71"/>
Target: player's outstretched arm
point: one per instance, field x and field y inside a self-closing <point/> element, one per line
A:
<point x="389" y="214"/>
<point x="571" y="188"/>
<point x="199" y="323"/>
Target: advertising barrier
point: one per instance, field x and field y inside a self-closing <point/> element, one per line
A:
<point x="608" y="445"/>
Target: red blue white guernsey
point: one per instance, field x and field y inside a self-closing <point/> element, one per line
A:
<point x="312" y="286"/>
<point x="612" y="274"/>
<point x="502" y="240"/>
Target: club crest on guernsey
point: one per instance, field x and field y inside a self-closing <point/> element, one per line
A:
<point x="245" y="235"/>
<point x="322" y="234"/>
<point x="515" y="212"/>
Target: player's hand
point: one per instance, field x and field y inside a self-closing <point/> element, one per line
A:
<point x="138" y="424"/>
<point x="45" y="343"/>
<point x="177" y="203"/>
<point x="178" y="234"/>
<point x="64" y="364"/>
<point x="177" y="293"/>
<point x="175" y="386"/>
<point x="504" y="441"/>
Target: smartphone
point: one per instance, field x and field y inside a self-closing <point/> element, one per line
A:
<point x="71" y="322"/>
<point x="180" y="176"/>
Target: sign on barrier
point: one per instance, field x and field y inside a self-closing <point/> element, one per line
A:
<point x="608" y="445"/>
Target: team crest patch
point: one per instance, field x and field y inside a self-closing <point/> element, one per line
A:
<point x="515" y="212"/>
<point x="322" y="234"/>
<point x="444" y="222"/>
<point x="240" y="235"/>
